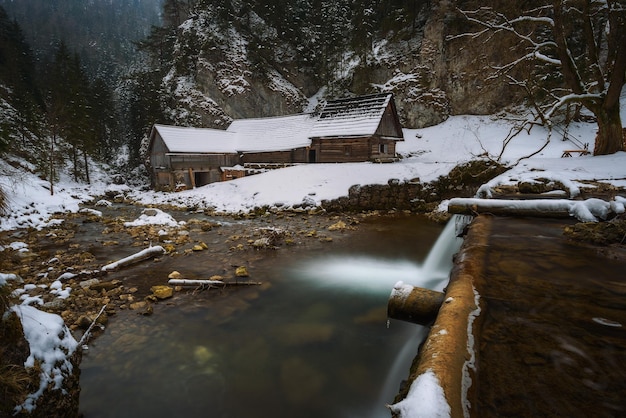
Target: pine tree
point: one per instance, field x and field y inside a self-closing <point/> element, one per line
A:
<point x="104" y="129"/>
<point x="17" y="74"/>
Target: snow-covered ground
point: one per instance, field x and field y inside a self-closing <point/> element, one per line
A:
<point x="427" y="154"/>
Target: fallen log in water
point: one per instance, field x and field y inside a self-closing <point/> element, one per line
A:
<point x="414" y="304"/>
<point x="200" y="282"/>
<point x="141" y="255"/>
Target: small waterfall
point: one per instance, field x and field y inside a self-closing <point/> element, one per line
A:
<point x="366" y="274"/>
<point x="374" y="275"/>
<point x="434" y="275"/>
<point x="358" y="274"/>
<point x="438" y="263"/>
<point x="398" y="371"/>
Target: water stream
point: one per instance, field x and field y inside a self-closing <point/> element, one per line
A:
<point x="311" y="341"/>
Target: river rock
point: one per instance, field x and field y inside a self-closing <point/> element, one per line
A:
<point x="261" y="243"/>
<point x="150" y="212"/>
<point x="198" y="247"/>
<point x="86" y="284"/>
<point x="54" y="304"/>
<point x="338" y="226"/>
<point x="105" y="285"/>
<point x="127" y="298"/>
<point x="175" y="275"/>
<point x="241" y="271"/>
<point x="162" y="292"/>
<point x="138" y="305"/>
<point x="202" y="355"/>
<point x="83" y="321"/>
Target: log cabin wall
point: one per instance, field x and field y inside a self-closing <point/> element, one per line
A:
<point x="341" y="150"/>
<point x="298" y="155"/>
<point x="389" y="124"/>
<point x="181" y="171"/>
<point x="202" y="162"/>
<point x="343" y="117"/>
<point x="383" y="150"/>
<point x="158" y="153"/>
<point x="232" y="174"/>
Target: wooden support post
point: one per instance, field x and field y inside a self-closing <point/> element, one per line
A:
<point x="192" y="178"/>
<point x="414" y="304"/>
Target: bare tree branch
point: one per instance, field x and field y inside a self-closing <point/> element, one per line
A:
<point x="568" y="52"/>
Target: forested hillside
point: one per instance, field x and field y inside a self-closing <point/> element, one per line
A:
<point x="66" y="78"/>
<point x="102" y="32"/>
<point x="84" y="80"/>
<point x="230" y="59"/>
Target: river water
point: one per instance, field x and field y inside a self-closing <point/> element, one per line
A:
<point x="312" y="341"/>
<point x="553" y="334"/>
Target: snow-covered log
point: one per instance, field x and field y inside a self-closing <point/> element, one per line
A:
<point x="141" y="255"/>
<point x="414" y="304"/>
<point x="549" y="208"/>
<point x="589" y="210"/>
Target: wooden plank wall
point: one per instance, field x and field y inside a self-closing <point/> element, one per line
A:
<point x="341" y="150"/>
<point x="298" y="155"/>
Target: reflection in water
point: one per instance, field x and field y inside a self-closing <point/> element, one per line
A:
<point x="312" y="343"/>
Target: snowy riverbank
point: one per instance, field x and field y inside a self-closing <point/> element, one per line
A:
<point x="427" y="154"/>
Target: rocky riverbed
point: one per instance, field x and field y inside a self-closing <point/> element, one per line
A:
<point x="61" y="266"/>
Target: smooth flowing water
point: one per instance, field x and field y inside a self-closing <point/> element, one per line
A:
<point x="312" y="341"/>
<point x="553" y="337"/>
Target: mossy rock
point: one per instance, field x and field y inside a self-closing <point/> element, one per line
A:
<point x="162" y="292"/>
<point x="600" y="233"/>
<point x="241" y="271"/>
<point x="475" y="172"/>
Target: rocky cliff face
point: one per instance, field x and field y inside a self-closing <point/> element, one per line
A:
<point x="432" y="73"/>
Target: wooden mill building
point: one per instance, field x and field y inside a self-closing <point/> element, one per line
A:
<point x="359" y="129"/>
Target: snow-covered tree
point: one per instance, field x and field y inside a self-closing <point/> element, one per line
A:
<point x="573" y="52"/>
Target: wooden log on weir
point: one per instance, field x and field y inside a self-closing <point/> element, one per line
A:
<point x="544" y="208"/>
<point x="414" y="304"/>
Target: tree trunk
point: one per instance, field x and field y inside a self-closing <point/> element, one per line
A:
<point x="610" y="138"/>
<point x="75" y="162"/>
<point x="86" y="158"/>
<point x="52" y="137"/>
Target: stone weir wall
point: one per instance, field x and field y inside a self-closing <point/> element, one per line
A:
<point x="413" y="195"/>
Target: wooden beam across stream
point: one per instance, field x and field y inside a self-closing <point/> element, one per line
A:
<point x="544" y="208"/>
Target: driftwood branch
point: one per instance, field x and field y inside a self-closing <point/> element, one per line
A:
<point x="141" y="255"/>
<point x="88" y="332"/>
<point x="196" y="283"/>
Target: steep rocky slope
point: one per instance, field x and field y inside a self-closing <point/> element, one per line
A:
<point x="223" y="72"/>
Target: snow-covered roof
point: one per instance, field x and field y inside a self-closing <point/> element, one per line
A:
<point x="197" y="140"/>
<point x="243" y="135"/>
<point x="357" y="116"/>
<point x="272" y="134"/>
